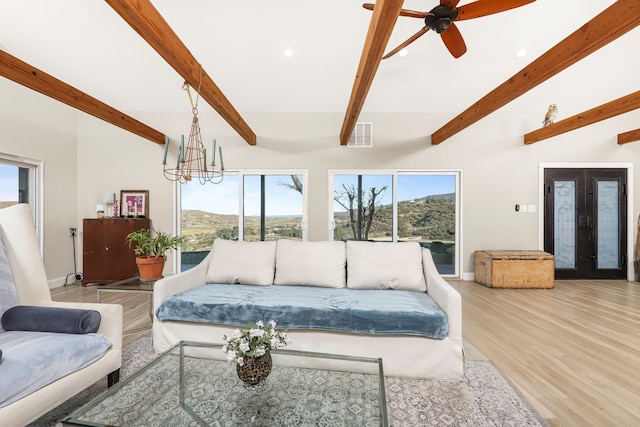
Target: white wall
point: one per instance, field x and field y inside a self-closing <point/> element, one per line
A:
<point x="499" y="171"/>
<point x="41" y="129"/>
<point x="84" y="156"/>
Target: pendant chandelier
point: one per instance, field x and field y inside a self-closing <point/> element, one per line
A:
<point x="192" y="157"/>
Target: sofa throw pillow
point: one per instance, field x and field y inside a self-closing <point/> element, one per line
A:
<point x="8" y="293"/>
<point x="51" y="319"/>
<point x="245" y="263"/>
<point x="310" y="263"/>
<point x="381" y="265"/>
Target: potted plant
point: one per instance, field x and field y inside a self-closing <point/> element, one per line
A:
<point x="151" y="251"/>
<point x="250" y="347"/>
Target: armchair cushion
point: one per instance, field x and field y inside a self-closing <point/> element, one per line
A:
<point x="32" y="360"/>
<point x="51" y="319"/>
<point x="8" y="294"/>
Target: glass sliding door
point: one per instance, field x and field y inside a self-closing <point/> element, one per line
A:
<point x="416" y="206"/>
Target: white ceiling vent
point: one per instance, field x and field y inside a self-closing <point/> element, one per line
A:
<point x="361" y="136"/>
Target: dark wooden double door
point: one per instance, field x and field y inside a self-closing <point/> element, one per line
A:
<point x="585" y="222"/>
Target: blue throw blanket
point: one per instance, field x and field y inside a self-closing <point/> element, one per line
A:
<point x="307" y="307"/>
<point x="31" y="360"/>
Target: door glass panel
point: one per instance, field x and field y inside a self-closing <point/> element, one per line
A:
<point x="564" y="216"/>
<point x="608" y="230"/>
<point x="209" y="211"/>
<point x="283" y="205"/>
<point x="427" y="215"/>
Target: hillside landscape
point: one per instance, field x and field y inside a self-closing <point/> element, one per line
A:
<point x="426" y="219"/>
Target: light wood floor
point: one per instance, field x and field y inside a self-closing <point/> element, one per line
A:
<point x="572" y="351"/>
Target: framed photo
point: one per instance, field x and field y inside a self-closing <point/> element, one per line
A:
<point x="134" y="203"/>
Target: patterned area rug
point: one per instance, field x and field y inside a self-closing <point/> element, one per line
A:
<point x="484" y="398"/>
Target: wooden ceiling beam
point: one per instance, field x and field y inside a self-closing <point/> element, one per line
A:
<point x="627" y="137"/>
<point x="594" y="115"/>
<point x="22" y="73"/>
<point x="383" y="19"/>
<point x="151" y="26"/>
<point x="613" y="22"/>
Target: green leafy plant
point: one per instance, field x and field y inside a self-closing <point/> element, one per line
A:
<point x="149" y="245"/>
<point x="253" y="340"/>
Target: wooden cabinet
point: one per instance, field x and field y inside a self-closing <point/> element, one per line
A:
<point x="106" y="257"/>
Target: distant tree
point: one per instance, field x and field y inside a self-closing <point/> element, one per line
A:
<point x="296" y="184"/>
<point x="361" y="206"/>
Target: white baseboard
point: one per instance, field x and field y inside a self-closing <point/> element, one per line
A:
<point x="468" y="277"/>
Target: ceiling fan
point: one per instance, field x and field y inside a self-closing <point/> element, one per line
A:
<point x="441" y="20"/>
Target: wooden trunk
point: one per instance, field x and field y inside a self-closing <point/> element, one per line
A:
<point x="514" y="269"/>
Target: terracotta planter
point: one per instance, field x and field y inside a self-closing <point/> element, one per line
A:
<point x="254" y="370"/>
<point x="150" y="268"/>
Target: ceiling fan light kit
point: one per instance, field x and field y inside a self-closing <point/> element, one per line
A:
<point x="440" y="18"/>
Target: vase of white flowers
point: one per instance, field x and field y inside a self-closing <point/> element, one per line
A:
<point x="250" y="347"/>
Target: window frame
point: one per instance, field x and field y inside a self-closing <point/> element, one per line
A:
<point x="395" y="173"/>
<point x="241" y="174"/>
<point x="36" y="193"/>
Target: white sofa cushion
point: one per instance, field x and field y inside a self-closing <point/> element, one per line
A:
<point x="381" y="265"/>
<point x="246" y="263"/>
<point x="310" y="263"/>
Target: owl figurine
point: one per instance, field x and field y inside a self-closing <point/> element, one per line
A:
<point x="552" y="112"/>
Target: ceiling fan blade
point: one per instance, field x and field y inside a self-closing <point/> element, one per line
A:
<point x="488" y="7"/>
<point x="407" y="42"/>
<point x="403" y="12"/>
<point x="453" y="41"/>
<point x="414" y="13"/>
<point x="451" y="4"/>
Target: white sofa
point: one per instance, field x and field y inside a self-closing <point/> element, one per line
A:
<point x="386" y="267"/>
<point x="23" y="254"/>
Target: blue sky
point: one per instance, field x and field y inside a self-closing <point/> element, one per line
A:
<point x="223" y="198"/>
<point x="8" y="183"/>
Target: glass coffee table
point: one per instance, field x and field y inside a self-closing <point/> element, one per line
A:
<point x="185" y="386"/>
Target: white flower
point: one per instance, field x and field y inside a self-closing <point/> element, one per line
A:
<point x="253" y="340"/>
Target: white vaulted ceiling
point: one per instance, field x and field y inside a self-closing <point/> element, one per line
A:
<point x="240" y="44"/>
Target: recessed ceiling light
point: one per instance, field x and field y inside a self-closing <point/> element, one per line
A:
<point x="403" y="52"/>
<point x="288" y="53"/>
<point x="520" y="53"/>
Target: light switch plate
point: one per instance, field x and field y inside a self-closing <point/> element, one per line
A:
<point x="524" y="208"/>
<point x="531" y="208"/>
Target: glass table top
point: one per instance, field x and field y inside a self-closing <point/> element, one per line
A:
<point x="192" y="384"/>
